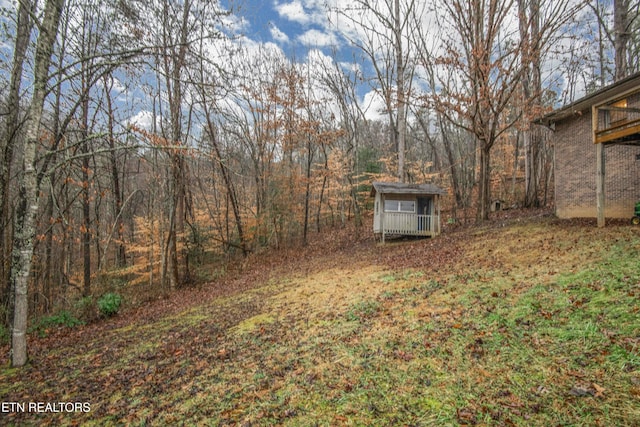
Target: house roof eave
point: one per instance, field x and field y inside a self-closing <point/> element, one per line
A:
<point x="581" y="105"/>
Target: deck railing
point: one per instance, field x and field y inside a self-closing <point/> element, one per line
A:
<point x="615" y="123"/>
<point x="410" y="224"/>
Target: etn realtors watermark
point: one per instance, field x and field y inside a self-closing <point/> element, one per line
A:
<point x="44" y="407"/>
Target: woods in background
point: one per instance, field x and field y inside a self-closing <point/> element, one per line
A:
<point x="150" y="137"/>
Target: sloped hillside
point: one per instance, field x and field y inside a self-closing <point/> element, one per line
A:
<point x="525" y="321"/>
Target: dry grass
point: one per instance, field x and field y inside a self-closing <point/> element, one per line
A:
<point x="526" y="322"/>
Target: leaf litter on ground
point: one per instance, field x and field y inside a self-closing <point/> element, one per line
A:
<point x="522" y="321"/>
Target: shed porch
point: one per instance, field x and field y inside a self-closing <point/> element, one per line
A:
<point x="406" y="209"/>
<point x="405" y="224"/>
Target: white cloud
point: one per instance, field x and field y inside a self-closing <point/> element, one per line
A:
<point x="317" y="38"/>
<point x="374" y="107"/>
<point x="118" y="86"/>
<point x="293" y="11"/>
<point x="144" y="120"/>
<point x="352" y="67"/>
<point x="278" y="35"/>
<point x="235" y="23"/>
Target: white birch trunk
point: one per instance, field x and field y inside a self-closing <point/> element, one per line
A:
<point x="26" y="222"/>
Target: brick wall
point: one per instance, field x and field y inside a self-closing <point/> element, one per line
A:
<point x="575" y="172"/>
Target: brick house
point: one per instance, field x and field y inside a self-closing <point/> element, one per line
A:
<point x="597" y="153"/>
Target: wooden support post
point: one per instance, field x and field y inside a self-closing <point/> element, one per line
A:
<point x="382" y="215"/>
<point x="600" y="175"/>
<point x="439" y="215"/>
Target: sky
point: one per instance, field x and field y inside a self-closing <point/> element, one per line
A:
<point x="298" y="27"/>
<point x="295" y="26"/>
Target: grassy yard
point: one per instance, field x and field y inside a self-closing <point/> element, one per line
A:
<point x="527" y="322"/>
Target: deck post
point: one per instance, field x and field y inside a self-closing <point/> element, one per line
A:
<point x="436" y="215"/>
<point x="600" y="172"/>
<point x="382" y="215"/>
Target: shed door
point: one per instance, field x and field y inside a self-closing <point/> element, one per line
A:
<point x="424" y="208"/>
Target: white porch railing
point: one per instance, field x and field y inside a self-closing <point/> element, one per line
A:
<point x="410" y="224"/>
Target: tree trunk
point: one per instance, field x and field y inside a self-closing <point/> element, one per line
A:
<point x="24" y="25"/>
<point x="47" y="272"/>
<point x="307" y="193"/>
<point x="86" y="225"/>
<point x="322" y="188"/>
<point x="28" y="210"/>
<point x="120" y="255"/>
<point x="174" y="62"/>
<point x="484" y="188"/>
<point x="401" y="115"/>
<point x="529" y="22"/>
<point x="621" y="37"/>
<point x="86" y="196"/>
<point x="533" y="148"/>
<point x="170" y="253"/>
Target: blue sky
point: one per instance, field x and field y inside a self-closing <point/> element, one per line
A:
<point x="297" y="26"/>
<point x="300" y="26"/>
<point x="294" y="25"/>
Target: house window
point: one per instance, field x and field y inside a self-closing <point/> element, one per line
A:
<point x="618" y="114"/>
<point x="404" y="206"/>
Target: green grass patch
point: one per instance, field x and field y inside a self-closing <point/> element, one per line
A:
<point x="62" y="319"/>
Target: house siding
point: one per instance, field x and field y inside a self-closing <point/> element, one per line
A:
<point x="575" y="172"/>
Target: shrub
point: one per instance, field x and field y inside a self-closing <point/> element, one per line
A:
<point x="109" y="304"/>
<point x="61" y="319"/>
<point x="85" y="309"/>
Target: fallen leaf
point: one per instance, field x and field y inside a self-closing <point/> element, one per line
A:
<point x="466" y="416"/>
<point x="599" y="390"/>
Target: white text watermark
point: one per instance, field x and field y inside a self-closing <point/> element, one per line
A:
<point x="44" y="407"/>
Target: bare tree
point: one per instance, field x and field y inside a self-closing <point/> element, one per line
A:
<point x="459" y="154"/>
<point x="8" y="142"/>
<point x="181" y="26"/>
<point x="619" y="35"/>
<point x="117" y="190"/>
<point x="622" y="20"/>
<point x="539" y="22"/>
<point x="382" y="31"/>
<point x="207" y="91"/>
<point x="342" y="86"/>
<point x="251" y="118"/>
<point x="29" y="192"/>
<point x="492" y="78"/>
<point x="493" y="65"/>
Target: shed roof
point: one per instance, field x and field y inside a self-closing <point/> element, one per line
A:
<point x="402" y="188"/>
<point x="583" y="104"/>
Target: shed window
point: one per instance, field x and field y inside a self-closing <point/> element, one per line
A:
<point x="406" y="206"/>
